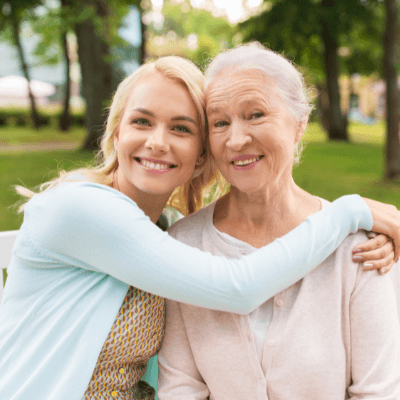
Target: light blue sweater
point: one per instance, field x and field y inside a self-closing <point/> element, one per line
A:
<point x="82" y="245"/>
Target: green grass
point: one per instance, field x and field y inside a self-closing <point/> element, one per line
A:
<point x="374" y="134"/>
<point x="15" y="135"/>
<point x="30" y="170"/>
<point x="328" y="170"/>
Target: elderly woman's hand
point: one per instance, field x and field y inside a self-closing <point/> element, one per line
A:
<point x="376" y="253"/>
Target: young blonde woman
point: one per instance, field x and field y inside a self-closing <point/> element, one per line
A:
<point x="83" y="307"/>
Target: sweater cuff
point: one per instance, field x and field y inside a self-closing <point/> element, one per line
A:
<point x="356" y="210"/>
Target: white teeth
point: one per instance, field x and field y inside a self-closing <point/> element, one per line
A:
<point x="152" y="165"/>
<point x="246" y="162"/>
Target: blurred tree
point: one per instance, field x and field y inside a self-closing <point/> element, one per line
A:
<point x="13" y="15"/>
<point x="391" y="38"/>
<point x="313" y="32"/>
<point x="92" y="30"/>
<point x="96" y="29"/>
<point x="52" y="26"/>
<point x="189" y="32"/>
<point x="65" y="118"/>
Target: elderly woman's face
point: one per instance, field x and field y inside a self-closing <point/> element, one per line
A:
<point x="252" y="132"/>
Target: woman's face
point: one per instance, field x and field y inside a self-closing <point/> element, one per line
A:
<point x="158" y="140"/>
<point x="252" y="132"/>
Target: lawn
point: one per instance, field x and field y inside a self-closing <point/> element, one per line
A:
<point x="328" y="170"/>
<point x="14" y="135"/>
<point x="29" y="170"/>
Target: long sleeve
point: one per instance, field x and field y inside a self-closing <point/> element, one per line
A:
<point x="375" y="335"/>
<point x="178" y="376"/>
<point x="94" y="227"/>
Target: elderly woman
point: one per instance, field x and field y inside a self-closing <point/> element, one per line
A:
<point x="332" y="335"/>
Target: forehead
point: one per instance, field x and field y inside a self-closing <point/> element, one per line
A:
<point x="155" y="90"/>
<point x="237" y="84"/>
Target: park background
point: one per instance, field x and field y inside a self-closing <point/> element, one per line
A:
<point x="75" y="52"/>
<point x="83" y="49"/>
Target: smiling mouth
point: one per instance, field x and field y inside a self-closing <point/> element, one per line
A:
<point x="243" y="163"/>
<point x="154" y="165"/>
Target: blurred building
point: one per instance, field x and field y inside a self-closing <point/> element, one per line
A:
<point x="366" y="95"/>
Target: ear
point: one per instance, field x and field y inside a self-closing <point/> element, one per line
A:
<point x="202" y="157"/>
<point x="301" y="127"/>
<point x="200" y="164"/>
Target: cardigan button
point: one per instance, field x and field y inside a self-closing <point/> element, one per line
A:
<point x="122" y="370"/>
<point x="114" y="394"/>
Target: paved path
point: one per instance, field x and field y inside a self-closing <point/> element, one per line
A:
<point x="46" y="146"/>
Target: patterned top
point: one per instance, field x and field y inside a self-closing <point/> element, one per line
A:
<point x="135" y="337"/>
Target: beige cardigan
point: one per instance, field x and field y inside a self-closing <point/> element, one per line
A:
<point x="334" y="335"/>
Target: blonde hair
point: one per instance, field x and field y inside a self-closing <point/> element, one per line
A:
<point x="187" y="198"/>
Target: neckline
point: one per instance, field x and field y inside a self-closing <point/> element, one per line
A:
<point x="231" y="240"/>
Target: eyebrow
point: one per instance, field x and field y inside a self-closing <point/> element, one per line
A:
<point x="178" y="118"/>
<point x="213" y="110"/>
<point x="144" y="111"/>
<point x="183" y="118"/>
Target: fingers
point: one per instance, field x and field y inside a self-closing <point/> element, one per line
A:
<point x="386" y="220"/>
<point x="383" y="265"/>
<point x="376" y="242"/>
<point x="376" y="253"/>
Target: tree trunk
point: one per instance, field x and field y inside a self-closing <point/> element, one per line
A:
<point x="142" y="50"/>
<point x="65" y="119"/>
<point x="337" y="122"/>
<point x="96" y="70"/>
<point x="17" y="41"/>
<point x="392" y="170"/>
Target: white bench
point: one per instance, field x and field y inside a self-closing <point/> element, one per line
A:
<point x="7" y="240"/>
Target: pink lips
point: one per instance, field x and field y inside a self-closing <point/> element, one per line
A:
<point x="243" y="158"/>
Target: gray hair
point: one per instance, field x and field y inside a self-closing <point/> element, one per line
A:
<point x="289" y="80"/>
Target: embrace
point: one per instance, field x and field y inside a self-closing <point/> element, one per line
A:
<point x="271" y="293"/>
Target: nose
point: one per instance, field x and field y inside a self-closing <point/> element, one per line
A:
<point x="157" y="141"/>
<point x="239" y="137"/>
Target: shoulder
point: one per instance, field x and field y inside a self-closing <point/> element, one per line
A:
<point x="78" y="198"/>
<point x="192" y="225"/>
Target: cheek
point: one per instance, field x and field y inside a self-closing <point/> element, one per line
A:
<point x="189" y="150"/>
<point x="217" y="148"/>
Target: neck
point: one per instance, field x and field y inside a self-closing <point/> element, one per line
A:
<point x="151" y="204"/>
<point x="259" y="218"/>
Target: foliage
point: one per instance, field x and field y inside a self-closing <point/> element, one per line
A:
<point x="295" y="28"/>
<point x="182" y="20"/>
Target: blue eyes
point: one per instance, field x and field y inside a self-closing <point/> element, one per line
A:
<point x="182" y="128"/>
<point x="257" y="115"/>
<point x="220" y="124"/>
<point x="141" y="121"/>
